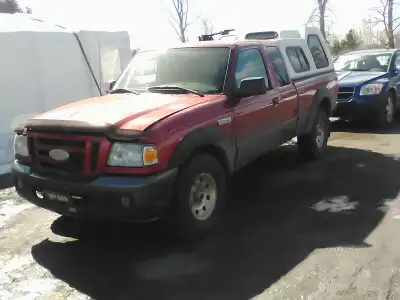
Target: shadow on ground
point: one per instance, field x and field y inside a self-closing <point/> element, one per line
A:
<point x="269" y="228"/>
<point x="5" y="181"/>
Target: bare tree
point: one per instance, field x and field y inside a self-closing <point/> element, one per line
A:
<point x="9" y="7"/>
<point x="208" y="27"/>
<point x="319" y="16"/>
<point x="178" y="18"/>
<point x="385" y="18"/>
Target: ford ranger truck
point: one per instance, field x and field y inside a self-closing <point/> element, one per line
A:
<point x="165" y="140"/>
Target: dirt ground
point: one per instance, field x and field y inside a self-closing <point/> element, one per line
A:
<point x="293" y="230"/>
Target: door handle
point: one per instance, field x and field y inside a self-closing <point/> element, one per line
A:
<point x="275" y="101"/>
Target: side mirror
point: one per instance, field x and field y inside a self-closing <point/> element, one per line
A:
<point x="110" y="85"/>
<point x="396" y="69"/>
<point x="251" y="86"/>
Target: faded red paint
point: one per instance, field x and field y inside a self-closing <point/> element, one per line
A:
<point x="127" y="111"/>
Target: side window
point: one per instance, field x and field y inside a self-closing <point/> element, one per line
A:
<point x="281" y="74"/>
<point x="250" y="64"/>
<point x="297" y="59"/>
<point x="317" y="51"/>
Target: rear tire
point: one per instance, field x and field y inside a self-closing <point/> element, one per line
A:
<point x="199" y="198"/>
<point x="313" y="144"/>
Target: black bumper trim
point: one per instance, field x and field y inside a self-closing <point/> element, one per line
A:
<point x="101" y="198"/>
<point x="365" y="108"/>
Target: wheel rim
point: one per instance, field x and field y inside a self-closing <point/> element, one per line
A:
<point x="320" y="134"/>
<point x="389" y="110"/>
<point x="203" y="196"/>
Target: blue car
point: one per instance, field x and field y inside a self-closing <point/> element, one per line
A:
<point x="369" y="85"/>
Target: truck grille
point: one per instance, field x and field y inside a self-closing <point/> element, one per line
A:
<point x="345" y="93"/>
<point x="83" y="153"/>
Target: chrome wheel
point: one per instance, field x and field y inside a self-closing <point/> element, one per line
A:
<point x="389" y="110"/>
<point x="203" y="196"/>
<point x="320" y="134"/>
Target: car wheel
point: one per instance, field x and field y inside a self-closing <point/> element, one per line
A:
<point x="199" y="197"/>
<point x="386" y="117"/>
<point x="314" y="143"/>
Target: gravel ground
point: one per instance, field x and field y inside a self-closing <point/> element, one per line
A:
<point x="293" y="230"/>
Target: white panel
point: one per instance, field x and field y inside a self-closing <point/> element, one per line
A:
<point x="19" y="90"/>
<point x="64" y="77"/>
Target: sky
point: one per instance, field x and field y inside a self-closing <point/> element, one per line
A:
<point x="148" y="25"/>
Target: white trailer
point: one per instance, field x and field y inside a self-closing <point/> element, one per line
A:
<point x="43" y="66"/>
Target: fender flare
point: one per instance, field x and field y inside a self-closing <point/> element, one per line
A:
<point x="201" y="138"/>
<point x="321" y="94"/>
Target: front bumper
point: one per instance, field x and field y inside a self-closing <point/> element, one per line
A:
<point x="366" y="107"/>
<point x="101" y="198"/>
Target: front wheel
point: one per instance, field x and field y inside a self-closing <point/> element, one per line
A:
<point x="314" y="143"/>
<point x="199" y="197"/>
<point x="386" y="117"/>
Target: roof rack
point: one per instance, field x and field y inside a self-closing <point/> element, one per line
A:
<point x="210" y="37"/>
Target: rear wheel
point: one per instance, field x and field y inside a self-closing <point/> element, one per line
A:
<point x="314" y="143"/>
<point x="199" y="197"/>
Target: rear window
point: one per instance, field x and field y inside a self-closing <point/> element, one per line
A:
<point x="317" y="51"/>
<point x="298" y="59"/>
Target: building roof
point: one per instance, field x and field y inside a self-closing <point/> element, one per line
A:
<point x="26" y="23"/>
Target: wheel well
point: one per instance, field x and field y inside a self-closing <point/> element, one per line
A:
<point x="217" y="153"/>
<point x="326" y="106"/>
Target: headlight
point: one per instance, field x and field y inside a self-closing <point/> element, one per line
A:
<point x="371" y="89"/>
<point x="132" y="155"/>
<point x="21" y="145"/>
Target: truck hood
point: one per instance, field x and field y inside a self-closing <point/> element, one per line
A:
<point x="354" y="78"/>
<point x="129" y="111"/>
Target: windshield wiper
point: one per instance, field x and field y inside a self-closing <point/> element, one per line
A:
<point x="123" y="90"/>
<point x="174" y="87"/>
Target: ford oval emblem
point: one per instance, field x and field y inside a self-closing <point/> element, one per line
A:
<point x="59" y="154"/>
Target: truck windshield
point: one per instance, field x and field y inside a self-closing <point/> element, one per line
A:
<point x="200" y="69"/>
<point x="376" y="62"/>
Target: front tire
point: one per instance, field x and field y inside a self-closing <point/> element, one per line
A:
<point x="314" y="143"/>
<point x="386" y="117"/>
<point x="199" y="197"/>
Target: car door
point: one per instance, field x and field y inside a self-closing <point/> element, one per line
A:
<point x="257" y="120"/>
<point x="288" y="105"/>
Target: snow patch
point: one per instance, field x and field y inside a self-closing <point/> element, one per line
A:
<point x="336" y="204"/>
<point x="9" y="208"/>
<point x="395" y="157"/>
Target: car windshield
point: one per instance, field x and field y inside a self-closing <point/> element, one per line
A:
<point x="200" y="69"/>
<point x="375" y="62"/>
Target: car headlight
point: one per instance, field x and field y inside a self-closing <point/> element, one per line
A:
<point x="371" y="89"/>
<point x="132" y="155"/>
<point x="21" y="145"/>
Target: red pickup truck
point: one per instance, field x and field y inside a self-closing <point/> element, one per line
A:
<point x="165" y="140"/>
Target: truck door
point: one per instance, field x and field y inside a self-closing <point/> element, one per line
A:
<point x="288" y="105"/>
<point x="257" y="121"/>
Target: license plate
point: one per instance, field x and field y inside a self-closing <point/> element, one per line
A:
<point x="57" y="197"/>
